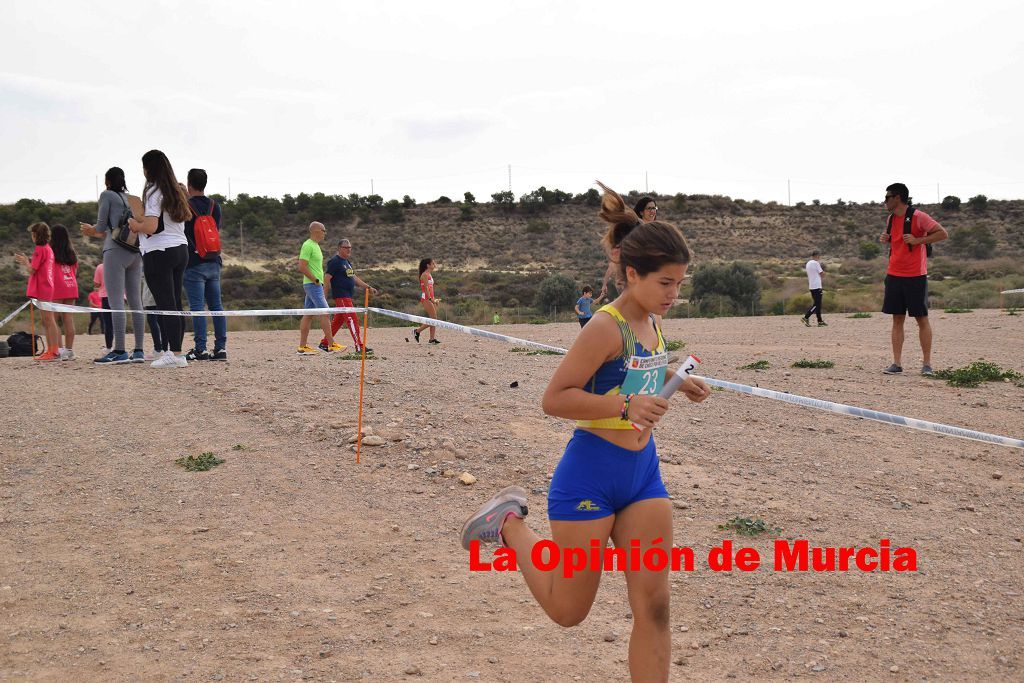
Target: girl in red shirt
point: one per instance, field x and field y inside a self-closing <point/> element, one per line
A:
<point x="40" y="285"/>
<point x="65" y="284"/>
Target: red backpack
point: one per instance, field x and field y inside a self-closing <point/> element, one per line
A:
<point x="207" y="235"/>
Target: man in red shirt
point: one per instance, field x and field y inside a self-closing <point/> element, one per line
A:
<point x="906" y="280"/>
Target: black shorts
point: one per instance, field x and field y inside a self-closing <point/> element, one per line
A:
<point x="906" y="295"/>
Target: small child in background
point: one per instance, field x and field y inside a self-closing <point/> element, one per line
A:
<point x="584" y="303"/>
<point x="106" y="319"/>
<point x="149" y="303"/>
<point x="40" y="285"/>
<point x="95" y="301"/>
<point x="65" y="284"/>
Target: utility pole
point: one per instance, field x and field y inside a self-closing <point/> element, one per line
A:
<point x="647" y="187"/>
<point x="938" y="195"/>
<point x="510" y="177"/>
<point x="789" y="192"/>
<point x="229" y="189"/>
<point x="241" y="237"/>
<point x="97" y="188"/>
<point x="371" y="185"/>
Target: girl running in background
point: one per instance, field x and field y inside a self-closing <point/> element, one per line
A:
<point x="646" y="210"/>
<point x="65" y="284"/>
<point x="608" y="484"/>
<point x="40" y="285"/>
<point x="427" y="299"/>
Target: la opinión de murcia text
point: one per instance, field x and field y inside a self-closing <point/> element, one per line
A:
<point x="788" y="556"/>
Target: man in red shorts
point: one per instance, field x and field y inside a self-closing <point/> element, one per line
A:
<point x="342" y="279"/>
<point x="906" y="280"/>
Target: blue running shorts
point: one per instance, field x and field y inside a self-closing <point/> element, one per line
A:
<point x="596" y="478"/>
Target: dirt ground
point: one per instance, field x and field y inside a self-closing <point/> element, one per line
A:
<point x="290" y="562"/>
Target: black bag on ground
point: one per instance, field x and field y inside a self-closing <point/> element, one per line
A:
<point x="20" y="344"/>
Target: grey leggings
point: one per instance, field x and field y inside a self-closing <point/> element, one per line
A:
<point x="122" y="274"/>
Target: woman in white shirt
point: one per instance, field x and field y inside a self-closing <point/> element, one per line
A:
<point x="164" y="250"/>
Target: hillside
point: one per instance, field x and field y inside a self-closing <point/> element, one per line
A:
<point x="494" y="255"/>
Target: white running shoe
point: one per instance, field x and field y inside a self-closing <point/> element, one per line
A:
<point x="180" y="361"/>
<point x="67" y="354"/>
<point x="166" y="360"/>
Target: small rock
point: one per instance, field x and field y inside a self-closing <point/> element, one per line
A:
<point x="481" y="380"/>
<point x="467" y="479"/>
<point x="294" y="613"/>
<point x="894" y="669"/>
<point x="412" y="465"/>
<point x="433" y="640"/>
<point x="611" y="637"/>
<point x="492" y="660"/>
<point x="997" y="475"/>
<point x="818" y="667"/>
<point x="373" y="440"/>
<point x="413" y="670"/>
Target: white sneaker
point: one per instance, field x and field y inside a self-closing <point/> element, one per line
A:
<point x="179" y="361"/>
<point x="67" y="354"/>
<point x="165" y="361"/>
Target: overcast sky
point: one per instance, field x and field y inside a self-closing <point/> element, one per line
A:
<point x="432" y="98"/>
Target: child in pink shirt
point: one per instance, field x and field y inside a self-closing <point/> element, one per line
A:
<point x="40" y="285"/>
<point x="65" y="284"/>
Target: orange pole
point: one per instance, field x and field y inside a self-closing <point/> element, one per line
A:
<point x="362" y="377"/>
<point x="32" y="317"/>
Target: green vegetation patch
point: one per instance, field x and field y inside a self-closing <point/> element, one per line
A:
<point x="974" y="374"/>
<point x="804" y="363"/>
<point x="202" y="463"/>
<point x="957" y="309"/>
<point x="673" y="345"/>
<point x="533" y="352"/>
<point x="860" y="314"/>
<point x="238" y="447"/>
<point x="757" y="365"/>
<point x="744" y="526"/>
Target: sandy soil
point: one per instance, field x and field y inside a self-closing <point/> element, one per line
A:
<point x="291" y="562"/>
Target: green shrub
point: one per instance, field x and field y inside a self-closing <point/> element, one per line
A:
<point x="951" y="203"/>
<point x="556" y="291"/>
<point x="817" y="364"/>
<point x="978" y="203"/>
<point x="735" y="281"/>
<point x="869" y="250"/>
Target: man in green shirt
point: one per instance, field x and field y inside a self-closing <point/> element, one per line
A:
<point x="311" y="265"/>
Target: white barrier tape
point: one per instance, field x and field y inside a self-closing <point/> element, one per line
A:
<point x="69" y="308"/>
<point x="817" y="404"/>
<point x="15" y="312"/>
<point x="878" y="416"/>
<point x="1012" y="291"/>
<point x="476" y="332"/>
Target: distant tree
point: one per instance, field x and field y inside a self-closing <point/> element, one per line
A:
<point x="443" y="200"/>
<point x="869" y="250"/>
<point x="469" y="198"/>
<point x="408" y="202"/>
<point x="978" y="203"/>
<point x="288" y="202"/>
<point x="976" y="242"/>
<point x="466" y="212"/>
<point x="816" y="202"/>
<point x="504" y="198"/>
<point x="735" y="281"/>
<point x="951" y="203"/>
<point x="801" y="205"/>
<point x="556" y="291"/>
<point x="591" y="197"/>
<point x="393" y="212"/>
<point x="679" y="202"/>
<point x="840" y="202"/>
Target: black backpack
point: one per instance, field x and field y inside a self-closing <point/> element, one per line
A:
<point x="906" y="231"/>
<point x="20" y="344"/>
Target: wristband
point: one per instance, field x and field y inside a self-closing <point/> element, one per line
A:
<point x="624" y="413"/>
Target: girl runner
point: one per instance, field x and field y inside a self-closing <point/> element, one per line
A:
<point x="65" y="284"/>
<point x="607" y="484"/>
<point x="40" y="286"/>
<point x="427" y="299"/>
